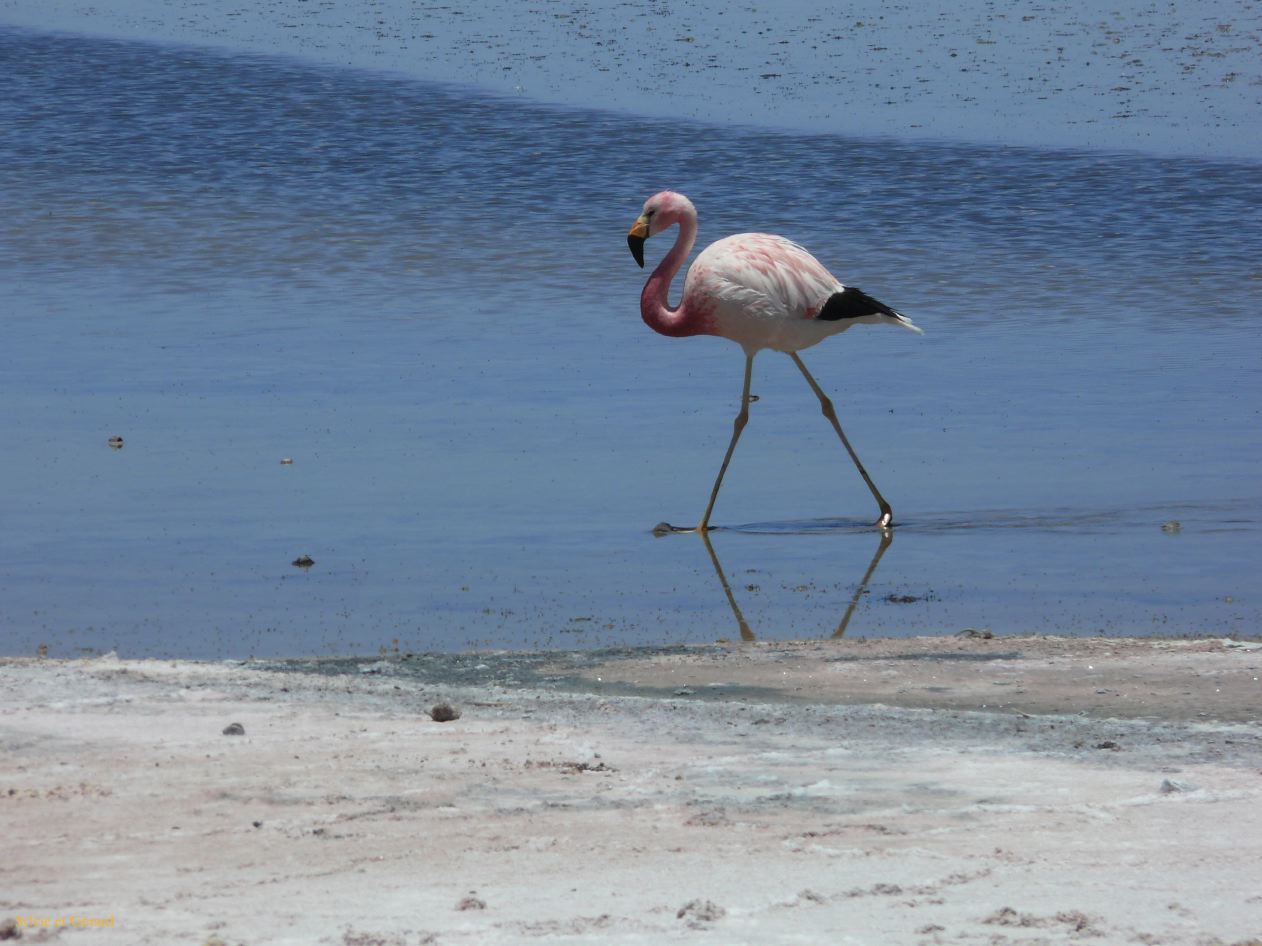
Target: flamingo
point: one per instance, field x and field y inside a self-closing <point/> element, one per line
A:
<point x="761" y="291"/>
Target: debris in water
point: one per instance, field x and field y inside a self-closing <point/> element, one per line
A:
<point x="303" y="561"/>
<point x="116" y="443"/>
<point x="1173" y="527"/>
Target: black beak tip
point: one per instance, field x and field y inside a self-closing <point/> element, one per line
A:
<point x="637" y="248"/>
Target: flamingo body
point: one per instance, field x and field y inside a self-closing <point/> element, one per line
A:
<point x="763" y="291"/>
<point x="759" y="290"/>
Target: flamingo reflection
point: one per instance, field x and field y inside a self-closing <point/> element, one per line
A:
<point x="887" y="537"/>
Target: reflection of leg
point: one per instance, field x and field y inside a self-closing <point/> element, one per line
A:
<point x="887" y="514"/>
<point x="746" y="633"/>
<point x="886" y="538"/>
<point x="741" y="419"/>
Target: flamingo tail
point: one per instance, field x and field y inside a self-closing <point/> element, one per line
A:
<point x="854" y="303"/>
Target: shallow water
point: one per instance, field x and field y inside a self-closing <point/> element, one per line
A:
<point x="1173" y="78"/>
<point x="423" y="297"/>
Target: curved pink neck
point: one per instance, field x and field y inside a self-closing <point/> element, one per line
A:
<point x="654" y="306"/>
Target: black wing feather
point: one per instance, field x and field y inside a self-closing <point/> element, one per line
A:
<point x="852" y="303"/>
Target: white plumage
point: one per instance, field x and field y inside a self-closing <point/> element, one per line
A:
<point x="767" y="292"/>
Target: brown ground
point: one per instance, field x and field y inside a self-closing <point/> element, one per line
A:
<point x="1128" y="678"/>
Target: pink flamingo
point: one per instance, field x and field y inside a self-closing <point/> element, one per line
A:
<point x="759" y="290"/>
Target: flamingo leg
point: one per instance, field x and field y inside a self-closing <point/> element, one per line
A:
<point x="737" y="426"/>
<point x="887" y="514"/>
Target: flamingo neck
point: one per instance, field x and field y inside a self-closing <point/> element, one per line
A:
<point x="655" y="307"/>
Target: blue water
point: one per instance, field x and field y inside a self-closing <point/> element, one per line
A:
<point x="423" y="296"/>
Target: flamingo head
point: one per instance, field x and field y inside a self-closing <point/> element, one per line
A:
<point x="660" y="212"/>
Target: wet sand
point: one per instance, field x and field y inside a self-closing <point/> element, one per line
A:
<point x="926" y="791"/>
<point x="1170" y="680"/>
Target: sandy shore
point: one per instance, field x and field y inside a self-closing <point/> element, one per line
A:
<point x="886" y="792"/>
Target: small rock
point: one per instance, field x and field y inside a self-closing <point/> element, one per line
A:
<point x="709" y="819"/>
<point x="444" y="713"/>
<point x="234" y="729"/>
<point x="116" y="443"/>
<point x="1074" y="918"/>
<point x="698" y="912"/>
<point x="1107" y="744"/>
<point x="471" y="903"/>
<point x="1005" y="916"/>
<point x="1171" y="785"/>
<point x="286" y="461"/>
<point x="303" y="561"/>
<point x="257" y="824"/>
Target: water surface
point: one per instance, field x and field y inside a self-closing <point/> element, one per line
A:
<point x="423" y="296"/>
<point x="1163" y="78"/>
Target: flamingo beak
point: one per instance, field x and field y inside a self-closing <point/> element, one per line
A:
<point x="635" y="239"/>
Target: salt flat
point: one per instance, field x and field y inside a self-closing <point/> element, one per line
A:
<point x="345" y="815"/>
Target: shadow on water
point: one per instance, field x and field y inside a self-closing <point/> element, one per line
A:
<point x="1210" y="517"/>
<point x="1146" y="555"/>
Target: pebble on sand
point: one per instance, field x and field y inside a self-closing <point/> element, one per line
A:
<point x="698" y="912"/>
<point x="1171" y="785"/>
<point x="444" y="713"/>
<point x="234" y="729"/>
